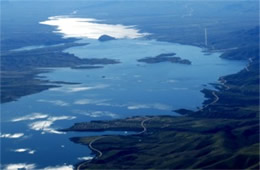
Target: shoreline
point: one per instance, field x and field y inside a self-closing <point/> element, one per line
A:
<point x="211" y="99"/>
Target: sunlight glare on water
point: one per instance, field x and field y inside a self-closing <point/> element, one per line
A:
<point x="91" y="28"/>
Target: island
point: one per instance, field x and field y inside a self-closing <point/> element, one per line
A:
<point x="103" y="38"/>
<point x="165" y="57"/>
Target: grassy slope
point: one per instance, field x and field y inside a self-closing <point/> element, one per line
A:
<point x="178" y="143"/>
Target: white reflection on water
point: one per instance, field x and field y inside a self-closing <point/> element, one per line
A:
<point x="86" y="158"/>
<point x="91" y="28"/>
<point x="45" y="125"/>
<point x="55" y="102"/>
<point x="63" y="167"/>
<point x="90" y="101"/>
<point x="78" y="88"/>
<point x="11" y="136"/>
<point x="97" y="113"/>
<point x="21" y="150"/>
<point x="20" y="166"/>
<point x="157" y="106"/>
<point x="32" y="116"/>
<point x="33" y="166"/>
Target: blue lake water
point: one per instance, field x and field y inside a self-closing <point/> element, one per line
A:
<point x="121" y="90"/>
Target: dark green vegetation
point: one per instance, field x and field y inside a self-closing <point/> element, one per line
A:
<point x="165" y="58"/>
<point x="177" y="143"/>
<point x="121" y="124"/>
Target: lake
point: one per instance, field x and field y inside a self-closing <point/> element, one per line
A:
<point x="29" y="135"/>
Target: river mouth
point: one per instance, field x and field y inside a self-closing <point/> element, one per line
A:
<point x="122" y="90"/>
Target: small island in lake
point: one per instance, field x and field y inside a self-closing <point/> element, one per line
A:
<point x="103" y="38"/>
<point x="166" y="57"/>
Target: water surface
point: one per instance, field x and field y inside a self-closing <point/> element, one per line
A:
<point x="29" y="125"/>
